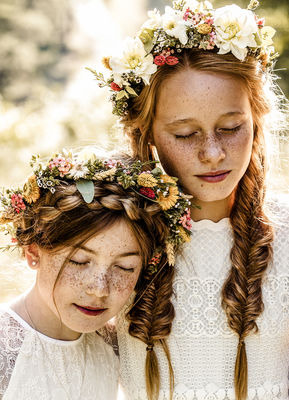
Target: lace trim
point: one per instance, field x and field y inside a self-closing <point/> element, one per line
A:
<point x="223" y="224"/>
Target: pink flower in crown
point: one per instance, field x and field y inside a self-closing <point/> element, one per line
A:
<point x="63" y="165"/>
<point x="160" y="60"/>
<point x="171" y="60"/>
<point x="209" y="21"/>
<point x="186" y="14"/>
<point x="186" y="221"/>
<point x="17" y="202"/>
<point x="147" y="192"/>
<point x="114" y="86"/>
<point x="165" y="57"/>
<point x="260" y="21"/>
<point x="113" y="163"/>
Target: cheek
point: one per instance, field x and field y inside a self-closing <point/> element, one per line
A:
<point x="240" y="146"/>
<point x="174" y="154"/>
<point x="123" y="283"/>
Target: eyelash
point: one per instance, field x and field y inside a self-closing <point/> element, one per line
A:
<point x="85" y="263"/>
<point x="125" y="269"/>
<point x="232" y="130"/>
<point x="78" y="263"/>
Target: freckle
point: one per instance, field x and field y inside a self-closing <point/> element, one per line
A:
<point x="202" y="185"/>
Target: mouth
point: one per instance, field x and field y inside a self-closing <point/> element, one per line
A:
<point x="92" y="311"/>
<point x="214" y="176"/>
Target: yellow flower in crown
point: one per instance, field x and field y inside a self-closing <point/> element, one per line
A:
<point x="31" y="190"/>
<point x="169" y="198"/>
<point x="204" y="29"/>
<point x="168" y="179"/>
<point x="147" y="180"/>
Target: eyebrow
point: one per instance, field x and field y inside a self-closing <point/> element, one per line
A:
<point x="126" y="254"/>
<point x="189" y="120"/>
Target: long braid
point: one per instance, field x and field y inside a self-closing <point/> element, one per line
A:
<point x="250" y="255"/>
<point x="151" y="320"/>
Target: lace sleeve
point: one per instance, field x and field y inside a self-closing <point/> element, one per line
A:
<point x="11" y="339"/>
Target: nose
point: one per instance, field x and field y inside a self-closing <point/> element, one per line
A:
<point x="211" y="150"/>
<point x="98" y="285"/>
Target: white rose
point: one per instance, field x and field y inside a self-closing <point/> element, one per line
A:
<point x="133" y="59"/>
<point x="174" y="24"/>
<point x="235" y="29"/>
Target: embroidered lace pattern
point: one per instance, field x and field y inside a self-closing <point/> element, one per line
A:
<point x="203" y="348"/>
<point x="33" y="366"/>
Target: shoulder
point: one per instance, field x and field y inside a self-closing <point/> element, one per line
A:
<point x="11" y="338"/>
<point x="11" y="331"/>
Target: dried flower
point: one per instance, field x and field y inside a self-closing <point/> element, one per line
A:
<point x="147" y="180"/>
<point x="31" y="190"/>
<point x="204" y="29"/>
<point x="170" y="200"/>
<point x="105" y="62"/>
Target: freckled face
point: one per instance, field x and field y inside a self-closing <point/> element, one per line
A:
<point x="95" y="283"/>
<point x="203" y="131"/>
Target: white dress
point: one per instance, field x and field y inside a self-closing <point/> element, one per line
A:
<point x="202" y="346"/>
<point x="34" y="366"/>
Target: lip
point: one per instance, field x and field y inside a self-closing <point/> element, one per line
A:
<point x="214" y="176"/>
<point x="92" y="311"/>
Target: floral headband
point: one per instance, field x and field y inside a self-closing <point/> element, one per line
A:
<point x="84" y="168"/>
<point x="187" y="24"/>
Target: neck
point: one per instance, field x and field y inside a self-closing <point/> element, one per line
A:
<point x="212" y="210"/>
<point x="39" y="316"/>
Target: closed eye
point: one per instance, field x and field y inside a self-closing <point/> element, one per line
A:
<point x="230" y="130"/>
<point x="78" y="263"/>
<point x="185" y="136"/>
<point x="124" y="269"/>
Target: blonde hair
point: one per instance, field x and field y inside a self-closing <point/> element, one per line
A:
<point x="253" y="234"/>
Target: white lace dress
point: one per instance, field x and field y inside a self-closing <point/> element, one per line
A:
<point x="203" y="348"/>
<point x="34" y="366"/>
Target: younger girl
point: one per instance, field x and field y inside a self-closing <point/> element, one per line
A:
<point x="90" y="229"/>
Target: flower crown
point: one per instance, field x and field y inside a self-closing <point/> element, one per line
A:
<point x="84" y="168"/>
<point x="187" y="24"/>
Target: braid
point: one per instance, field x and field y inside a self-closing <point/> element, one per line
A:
<point x="250" y="255"/>
<point x="151" y="319"/>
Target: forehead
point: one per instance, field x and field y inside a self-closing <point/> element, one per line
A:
<point x="198" y="94"/>
<point x="118" y="237"/>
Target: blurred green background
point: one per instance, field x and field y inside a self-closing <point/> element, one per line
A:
<point x="49" y="101"/>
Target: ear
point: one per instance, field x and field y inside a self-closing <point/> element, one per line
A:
<point x="32" y="255"/>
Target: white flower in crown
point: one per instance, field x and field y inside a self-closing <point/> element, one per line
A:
<point x="133" y="59"/>
<point x="78" y="171"/>
<point x="154" y="21"/>
<point x="235" y="30"/>
<point x="174" y="24"/>
<point x="197" y="6"/>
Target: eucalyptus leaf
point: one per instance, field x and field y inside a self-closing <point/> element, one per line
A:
<point x="86" y="189"/>
<point x="131" y="91"/>
<point x="121" y="94"/>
